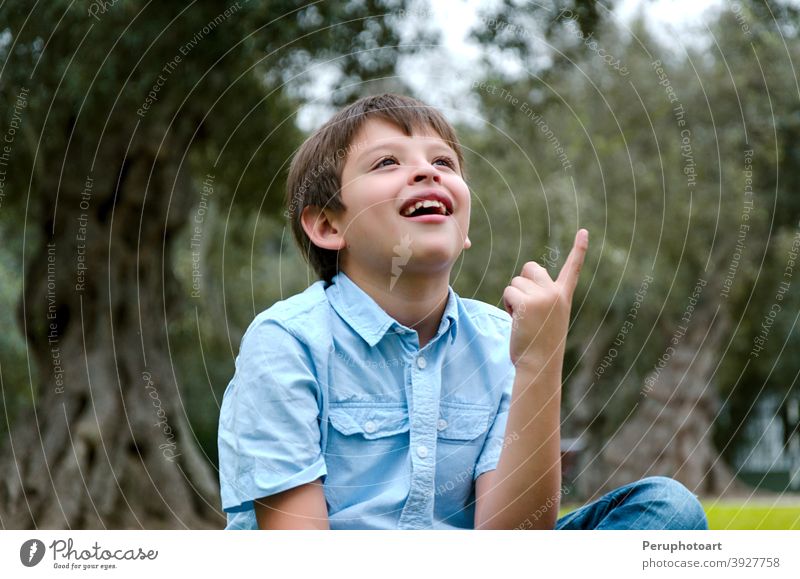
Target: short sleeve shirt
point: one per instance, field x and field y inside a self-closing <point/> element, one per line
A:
<point x="328" y="385"/>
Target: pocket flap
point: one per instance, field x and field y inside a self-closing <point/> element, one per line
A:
<point x="369" y="421"/>
<point x="459" y="421"/>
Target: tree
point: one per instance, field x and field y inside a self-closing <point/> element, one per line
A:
<point x="129" y="119"/>
<point x="658" y="146"/>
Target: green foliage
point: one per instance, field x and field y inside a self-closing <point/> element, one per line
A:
<point x="572" y="141"/>
<point x="219" y="73"/>
<point x="657" y="174"/>
<point x="197" y="89"/>
<point x="14" y="379"/>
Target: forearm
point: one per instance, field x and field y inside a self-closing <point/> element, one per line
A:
<point x="525" y="488"/>
<point x="527" y="482"/>
<point x="298" y="508"/>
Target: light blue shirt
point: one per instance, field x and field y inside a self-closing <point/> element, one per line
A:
<point x="328" y="385"/>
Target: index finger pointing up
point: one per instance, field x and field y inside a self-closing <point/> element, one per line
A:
<point x="568" y="277"/>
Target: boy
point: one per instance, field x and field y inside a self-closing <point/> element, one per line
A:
<point x="380" y="399"/>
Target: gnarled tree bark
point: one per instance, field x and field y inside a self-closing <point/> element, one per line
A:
<point x="107" y="443"/>
<point x="670" y="431"/>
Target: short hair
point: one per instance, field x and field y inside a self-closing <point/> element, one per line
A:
<point x="315" y="173"/>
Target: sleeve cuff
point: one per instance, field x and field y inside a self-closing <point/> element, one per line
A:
<point x="249" y="487"/>
<point x="489" y="458"/>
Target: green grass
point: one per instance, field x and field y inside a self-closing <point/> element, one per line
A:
<point x="749" y="515"/>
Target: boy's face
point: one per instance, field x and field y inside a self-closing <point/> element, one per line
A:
<point x="382" y="176"/>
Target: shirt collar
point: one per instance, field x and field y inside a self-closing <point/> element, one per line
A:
<point x="370" y="321"/>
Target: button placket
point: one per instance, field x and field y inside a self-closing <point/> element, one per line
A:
<point x="424" y="392"/>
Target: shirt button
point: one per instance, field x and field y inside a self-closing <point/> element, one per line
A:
<point x="370" y="427"/>
<point x="442" y="424"/>
<point x="422" y="451"/>
<point x="421" y="363"/>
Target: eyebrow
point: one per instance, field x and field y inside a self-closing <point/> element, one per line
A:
<point x="390" y="145"/>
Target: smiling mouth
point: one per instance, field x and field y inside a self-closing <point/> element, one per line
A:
<point x="428" y="207"/>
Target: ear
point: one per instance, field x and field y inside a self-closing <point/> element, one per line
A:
<point x="322" y="228"/>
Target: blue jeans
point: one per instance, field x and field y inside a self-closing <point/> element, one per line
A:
<point x="652" y="503"/>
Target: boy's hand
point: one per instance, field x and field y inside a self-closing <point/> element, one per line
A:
<point x="540" y="309"/>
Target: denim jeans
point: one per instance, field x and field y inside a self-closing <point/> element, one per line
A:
<point x="651" y="503"/>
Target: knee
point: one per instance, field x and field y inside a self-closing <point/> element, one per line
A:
<point x="678" y="508"/>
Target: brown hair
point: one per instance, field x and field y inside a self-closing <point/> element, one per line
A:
<point x="316" y="170"/>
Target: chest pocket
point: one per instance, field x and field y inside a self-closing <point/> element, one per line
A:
<point x="365" y="454"/>
<point x="369" y="422"/>
<point x="461" y="423"/>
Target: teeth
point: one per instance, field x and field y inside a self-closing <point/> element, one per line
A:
<point x="427" y="203"/>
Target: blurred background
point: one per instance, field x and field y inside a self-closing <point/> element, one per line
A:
<point x="143" y="153"/>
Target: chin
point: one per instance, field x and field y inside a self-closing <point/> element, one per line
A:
<point x="433" y="262"/>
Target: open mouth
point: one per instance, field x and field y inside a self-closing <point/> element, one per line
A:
<point x="426" y="207"/>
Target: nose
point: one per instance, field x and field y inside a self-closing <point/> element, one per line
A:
<point x="424" y="172"/>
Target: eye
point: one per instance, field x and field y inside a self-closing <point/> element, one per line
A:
<point x="447" y="161"/>
<point x="383" y="162"/>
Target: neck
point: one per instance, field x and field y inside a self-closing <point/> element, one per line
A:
<point x="416" y="300"/>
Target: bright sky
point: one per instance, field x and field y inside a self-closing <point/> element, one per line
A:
<point x="666" y="14"/>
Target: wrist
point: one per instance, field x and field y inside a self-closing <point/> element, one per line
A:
<point x="538" y="381"/>
<point x="539" y="364"/>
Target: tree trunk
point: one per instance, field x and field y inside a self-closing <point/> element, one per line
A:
<point x="107" y="443"/>
<point x="581" y="406"/>
<point x="670" y="431"/>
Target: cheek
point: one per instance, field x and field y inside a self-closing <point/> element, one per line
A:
<point x="370" y="196"/>
<point x="458" y="186"/>
<point x="466" y="212"/>
<point x="465" y="199"/>
<point x="370" y="221"/>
